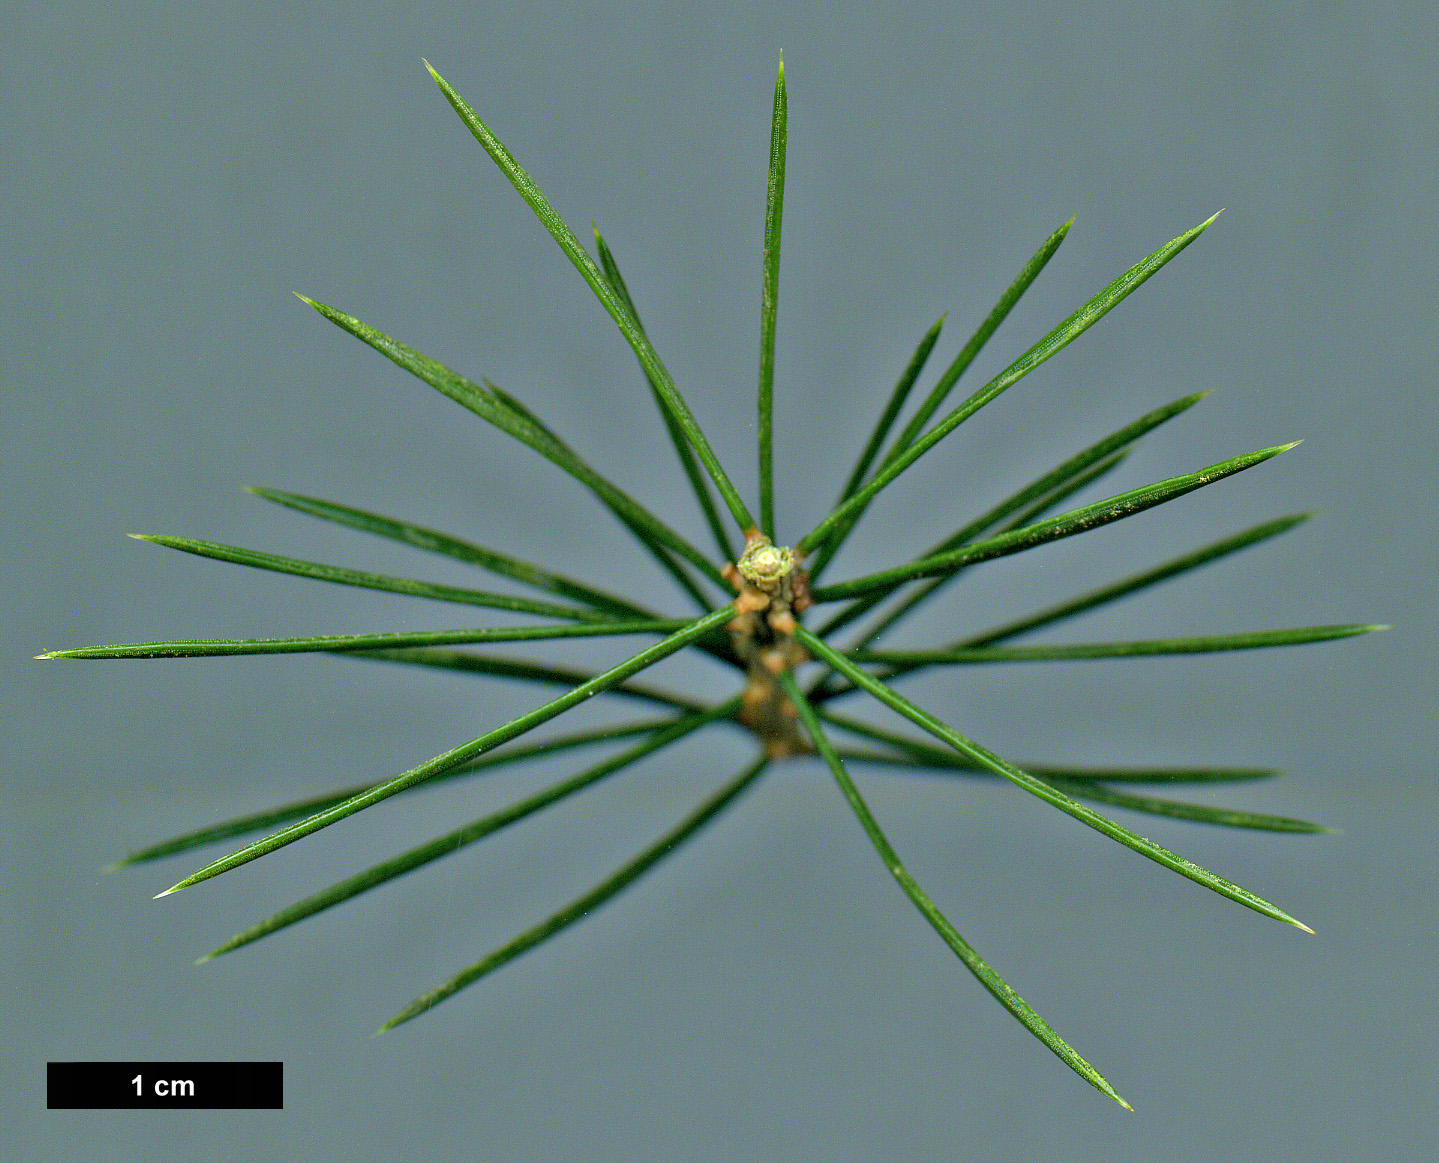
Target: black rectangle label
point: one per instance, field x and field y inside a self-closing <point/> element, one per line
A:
<point x="165" y="1085"/>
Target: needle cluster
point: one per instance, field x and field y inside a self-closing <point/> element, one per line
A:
<point x="751" y="613"/>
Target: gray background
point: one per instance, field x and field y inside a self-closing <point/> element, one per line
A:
<point x="175" y="171"/>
